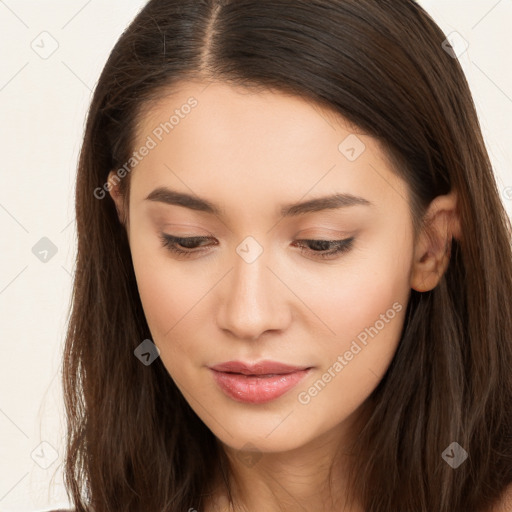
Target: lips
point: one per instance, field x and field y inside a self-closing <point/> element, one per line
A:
<point x="259" y="382"/>
<point x="260" y="368"/>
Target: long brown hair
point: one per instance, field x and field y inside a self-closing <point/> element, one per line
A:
<point x="133" y="441"/>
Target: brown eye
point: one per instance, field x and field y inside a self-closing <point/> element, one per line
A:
<point x="318" y="248"/>
<point x="340" y="246"/>
<point x="188" y="245"/>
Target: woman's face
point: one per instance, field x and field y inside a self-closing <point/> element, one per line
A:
<point x="255" y="166"/>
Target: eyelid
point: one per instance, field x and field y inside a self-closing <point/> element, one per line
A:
<point x="171" y="242"/>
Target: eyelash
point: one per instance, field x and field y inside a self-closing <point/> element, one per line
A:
<point x="341" y="246"/>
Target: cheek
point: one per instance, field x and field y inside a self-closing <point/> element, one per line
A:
<point x="366" y="309"/>
<point x="168" y="298"/>
<point x="352" y="297"/>
<point x="167" y="293"/>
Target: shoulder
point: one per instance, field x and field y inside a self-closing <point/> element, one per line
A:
<point x="505" y="503"/>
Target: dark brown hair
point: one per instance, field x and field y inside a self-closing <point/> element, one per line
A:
<point x="134" y="443"/>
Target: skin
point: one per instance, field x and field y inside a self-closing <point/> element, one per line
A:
<point x="250" y="153"/>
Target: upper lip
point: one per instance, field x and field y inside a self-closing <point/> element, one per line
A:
<point x="258" y="368"/>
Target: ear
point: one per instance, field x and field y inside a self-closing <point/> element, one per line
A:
<point x="433" y="246"/>
<point x="116" y="195"/>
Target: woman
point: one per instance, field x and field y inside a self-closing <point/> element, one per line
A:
<point x="294" y="269"/>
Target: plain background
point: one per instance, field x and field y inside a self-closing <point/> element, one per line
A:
<point x="43" y="104"/>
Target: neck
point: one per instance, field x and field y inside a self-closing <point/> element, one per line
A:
<point x="313" y="477"/>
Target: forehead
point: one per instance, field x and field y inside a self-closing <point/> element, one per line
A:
<point x="219" y="109"/>
<point x="215" y="135"/>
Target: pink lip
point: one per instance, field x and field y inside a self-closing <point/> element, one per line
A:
<point x="259" y="382"/>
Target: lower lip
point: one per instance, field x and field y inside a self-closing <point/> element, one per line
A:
<point x="257" y="390"/>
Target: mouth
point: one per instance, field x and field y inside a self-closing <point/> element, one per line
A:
<point x="259" y="382"/>
<point x="267" y="368"/>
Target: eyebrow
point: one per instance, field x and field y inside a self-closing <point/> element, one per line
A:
<point x="334" y="201"/>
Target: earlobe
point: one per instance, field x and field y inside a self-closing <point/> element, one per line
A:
<point x="433" y="248"/>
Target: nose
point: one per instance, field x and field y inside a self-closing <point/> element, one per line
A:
<point x="253" y="300"/>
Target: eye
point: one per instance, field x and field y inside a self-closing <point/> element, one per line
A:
<point x="172" y="243"/>
<point x="338" y="247"/>
<point x="190" y="244"/>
